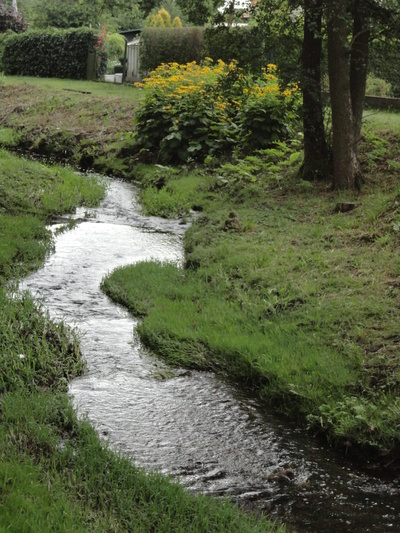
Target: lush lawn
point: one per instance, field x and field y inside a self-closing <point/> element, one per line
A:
<point x="96" y="88"/>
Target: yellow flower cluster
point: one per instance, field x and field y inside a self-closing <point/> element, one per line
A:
<point x="178" y="80"/>
<point x="174" y="82"/>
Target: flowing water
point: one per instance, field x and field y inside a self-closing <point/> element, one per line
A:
<point x="207" y="433"/>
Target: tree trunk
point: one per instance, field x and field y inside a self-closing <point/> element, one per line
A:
<point x="316" y="154"/>
<point x="358" y="65"/>
<point x="346" y="170"/>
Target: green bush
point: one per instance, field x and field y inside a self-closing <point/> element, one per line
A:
<point x="115" y="46"/>
<point x="378" y="87"/>
<point x="169" y="45"/>
<point x="52" y="53"/>
<point x="245" y="45"/>
<point x="3" y="39"/>
<point x="384" y="62"/>
<point x="193" y="111"/>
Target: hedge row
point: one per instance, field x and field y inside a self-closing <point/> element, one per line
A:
<point x="184" y="45"/>
<point x="384" y="62"/>
<point x="170" y="45"/>
<point x="247" y="46"/>
<point x="51" y="53"/>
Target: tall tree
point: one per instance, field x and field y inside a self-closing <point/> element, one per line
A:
<point x="350" y="25"/>
<point x="199" y="12"/>
<point x="316" y="152"/>
<point x="346" y="169"/>
<point x="359" y="62"/>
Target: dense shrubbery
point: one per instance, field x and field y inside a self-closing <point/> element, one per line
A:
<point x="193" y="111"/>
<point x="384" y="62"/>
<point x="378" y="87"/>
<point x="237" y="43"/>
<point x="11" y="20"/>
<point x="52" y="53"/>
<point x="167" y="45"/>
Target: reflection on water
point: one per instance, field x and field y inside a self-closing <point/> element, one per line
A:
<point x="207" y="433"/>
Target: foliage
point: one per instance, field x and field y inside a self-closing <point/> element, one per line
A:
<point x="52" y="53"/>
<point x="365" y="420"/>
<point x="238" y="43"/>
<point x="166" y="45"/>
<point x="193" y="111"/>
<point x="3" y="39"/>
<point x="64" y="14"/>
<point x="115" y="46"/>
<point x="281" y="24"/>
<point x="384" y="62"/>
<point x="199" y="12"/>
<point x="378" y="87"/>
<point x="162" y="19"/>
<point x="11" y="20"/>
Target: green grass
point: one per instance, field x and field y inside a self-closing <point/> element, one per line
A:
<point x="30" y="195"/>
<point x="28" y="187"/>
<point x="87" y="124"/>
<point x="284" y="292"/>
<point x="384" y="121"/>
<point x="59" y="477"/>
<point x="162" y="195"/>
<point x="96" y="88"/>
<point x="55" y="474"/>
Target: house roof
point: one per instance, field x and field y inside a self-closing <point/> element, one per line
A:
<point x="130" y="34"/>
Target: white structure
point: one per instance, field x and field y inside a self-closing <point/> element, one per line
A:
<point x="133" y="61"/>
<point x="237" y="4"/>
<point x="14" y="6"/>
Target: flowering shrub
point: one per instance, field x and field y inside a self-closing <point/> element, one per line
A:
<point x="199" y="110"/>
<point x="101" y="53"/>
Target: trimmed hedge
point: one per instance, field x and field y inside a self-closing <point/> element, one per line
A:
<point x="183" y="45"/>
<point x="51" y="54"/>
<point x="246" y="45"/>
<point x="384" y="62"/>
<point x="170" y="45"/>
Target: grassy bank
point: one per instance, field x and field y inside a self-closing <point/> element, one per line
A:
<point x="85" y="124"/>
<point x="287" y="286"/>
<point x="55" y="473"/>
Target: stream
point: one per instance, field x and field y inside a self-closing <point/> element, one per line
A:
<point x="205" y="432"/>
